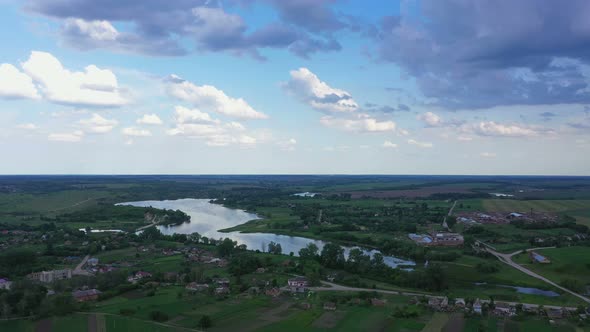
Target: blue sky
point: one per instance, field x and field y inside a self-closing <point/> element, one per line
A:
<point x="301" y="86"/>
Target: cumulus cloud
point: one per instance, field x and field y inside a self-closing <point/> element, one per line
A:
<point x="149" y="119"/>
<point x="91" y="87"/>
<point x="96" y="34"/>
<point x="162" y="28"/>
<point x="97" y="124"/>
<point x="210" y="98"/>
<point x="16" y="84"/>
<point x="136" y="132"/>
<point x="308" y="88"/>
<point x="431" y="119"/>
<point x="358" y="123"/>
<point x="389" y="145"/>
<point x="491" y="128"/>
<point x="194" y="123"/>
<point x="469" y="54"/>
<point x="424" y="145"/>
<point x="75" y="136"/>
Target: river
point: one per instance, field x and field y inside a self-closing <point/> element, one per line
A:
<point x="208" y="218"/>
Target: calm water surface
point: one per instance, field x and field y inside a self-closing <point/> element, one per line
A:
<point x="208" y="218"/>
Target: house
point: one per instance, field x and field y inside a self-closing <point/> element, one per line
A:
<point x="92" y="261"/>
<point x="298" y="284"/>
<point x="531" y="308"/>
<point x="86" y="295"/>
<point x="5" y="283"/>
<point x="504" y="308"/>
<point x="378" y="302"/>
<point x="260" y="270"/>
<point x="515" y="215"/>
<point x="460" y="303"/>
<point x="477" y="306"/>
<point x="139" y="275"/>
<point x="538" y="258"/>
<point x="447" y="239"/>
<point x="222" y="282"/>
<point x="221" y="291"/>
<point x="51" y="276"/>
<point x="330" y="306"/>
<point x="195" y="287"/>
<point x="554" y="313"/>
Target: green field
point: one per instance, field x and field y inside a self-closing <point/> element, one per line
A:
<point x="566" y="263"/>
<point x="554" y="206"/>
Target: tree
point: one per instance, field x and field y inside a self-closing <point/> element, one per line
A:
<point x="205" y="322"/>
<point x="275" y="248"/>
<point x="309" y="252"/>
<point x="226" y="247"/>
<point x="332" y="255"/>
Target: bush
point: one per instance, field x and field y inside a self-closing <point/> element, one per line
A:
<point x="158" y="316"/>
<point x="127" y="312"/>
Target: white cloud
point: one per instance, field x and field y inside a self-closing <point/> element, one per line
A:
<point x="136" y="132"/>
<point x="389" y="144"/>
<point x="308" y="88"/>
<point x="16" y="84"/>
<point x="488" y="155"/>
<point x="91" y="87"/>
<point x="491" y="128"/>
<point x="193" y="123"/>
<point x="27" y="126"/>
<point x="425" y="145"/>
<point x="149" y="119"/>
<point x="431" y="119"/>
<point x="185" y="115"/>
<point x="210" y="98"/>
<point x="288" y="145"/>
<point x="358" y="123"/>
<point x="75" y="136"/>
<point x="97" y="124"/>
<point x="96" y="30"/>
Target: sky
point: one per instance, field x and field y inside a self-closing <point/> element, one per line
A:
<point x="295" y="87"/>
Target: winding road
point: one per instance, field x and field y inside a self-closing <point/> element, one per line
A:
<point x="507" y="259"/>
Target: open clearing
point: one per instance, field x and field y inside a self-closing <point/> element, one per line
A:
<point x="556" y="206"/>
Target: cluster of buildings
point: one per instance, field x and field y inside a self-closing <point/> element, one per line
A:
<point x="86" y="295"/>
<point x="137" y="276"/>
<point x="50" y="276"/>
<point x="202" y="256"/>
<point x="501" y="309"/>
<point x="503" y="217"/>
<point x="442" y="239"/>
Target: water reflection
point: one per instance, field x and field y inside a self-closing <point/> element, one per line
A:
<point x="208" y="218"/>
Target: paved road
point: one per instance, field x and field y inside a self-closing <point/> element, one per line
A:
<point x="339" y="288"/>
<point x="78" y="270"/>
<point x="507" y="259"/>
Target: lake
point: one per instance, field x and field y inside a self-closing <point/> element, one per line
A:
<point x="208" y="218"/>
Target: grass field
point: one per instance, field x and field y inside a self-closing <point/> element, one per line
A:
<point x="566" y="263"/>
<point x="554" y="206"/>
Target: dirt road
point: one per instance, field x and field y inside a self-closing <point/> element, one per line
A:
<point x="78" y="270"/>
